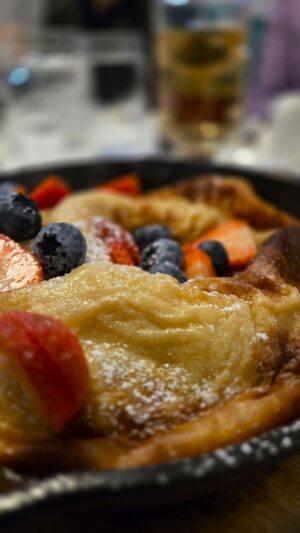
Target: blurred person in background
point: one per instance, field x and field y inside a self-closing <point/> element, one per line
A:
<point x="279" y="68"/>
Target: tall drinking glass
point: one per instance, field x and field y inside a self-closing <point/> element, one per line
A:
<point x="48" y="82"/>
<point x="201" y="57"/>
<point x="117" y="89"/>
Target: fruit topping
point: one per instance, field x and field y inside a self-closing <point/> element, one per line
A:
<point x="50" y="192"/>
<point x="161" y="251"/>
<point x="46" y="358"/>
<point x="119" y="243"/>
<point x="147" y="234"/>
<point x="60" y="248"/>
<point x="20" y="217"/>
<point x="11" y="186"/>
<point x="197" y="264"/>
<point x="218" y="255"/>
<point x="238" y="240"/>
<point x="170" y="269"/>
<point x="129" y="185"/>
<point x="18" y="267"/>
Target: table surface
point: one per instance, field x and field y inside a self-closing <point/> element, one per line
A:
<point x="111" y="135"/>
<point x="267" y="501"/>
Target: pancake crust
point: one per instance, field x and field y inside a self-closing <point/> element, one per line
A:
<point x="177" y="370"/>
<point x="235" y="197"/>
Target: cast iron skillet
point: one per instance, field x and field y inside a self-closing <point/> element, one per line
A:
<point x="94" y="491"/>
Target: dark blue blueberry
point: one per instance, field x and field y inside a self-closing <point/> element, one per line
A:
<point x="170" y="269"/>
<point x="218" y="255"/>
<point x="147" y="234"/>
<point x="6" y="187"/>
<point x="161" y="251"/>
<point x="60" y="248"/>
<point x="20" y="217"/>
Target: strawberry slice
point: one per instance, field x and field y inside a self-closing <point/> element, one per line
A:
<point x="130" y="185"/>
<point x="119" y="243"/>
<point x="18" y="267"/>
<point x="47" y="359"/>
<point x="197" y="264"/>
<point x="50" y="192"/>
<point x="237" y="238"/>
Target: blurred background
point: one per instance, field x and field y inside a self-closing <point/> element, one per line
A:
<point x="83" y="79"/>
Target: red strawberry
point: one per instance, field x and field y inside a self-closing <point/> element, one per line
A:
<point x="18" y="267"/>
<point x="238" y="240"/>
<point x="48" y="361"/>
<point x="198" y="264"/>
<point x="129" y="185"/>
<point x="119" y="243"/>
<point x="50" y="192"/>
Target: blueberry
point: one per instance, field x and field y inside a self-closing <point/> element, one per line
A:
<point x="20" y="217"/>
<point x="6" y="187"/>
<point x="218" y="255"/>
<point x="148" y="234"/>
<point x="161" y="251"/>
<point x="60" y="248"/>
<point x="170" y="269"/>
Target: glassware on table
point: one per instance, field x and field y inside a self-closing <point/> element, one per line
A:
<point x="201" y="56"/>
<point x="117" y="89"/>
<point x="48" y="83"/>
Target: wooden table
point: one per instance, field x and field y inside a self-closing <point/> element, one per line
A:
<point x="268" y="501"/>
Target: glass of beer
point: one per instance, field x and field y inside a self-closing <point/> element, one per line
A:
<point x="201" y="57"/>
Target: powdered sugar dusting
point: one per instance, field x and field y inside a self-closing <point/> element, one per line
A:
<point x="262" y="336"/>
<point x="139" y="395"/>
<point x="96" y="248"/>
